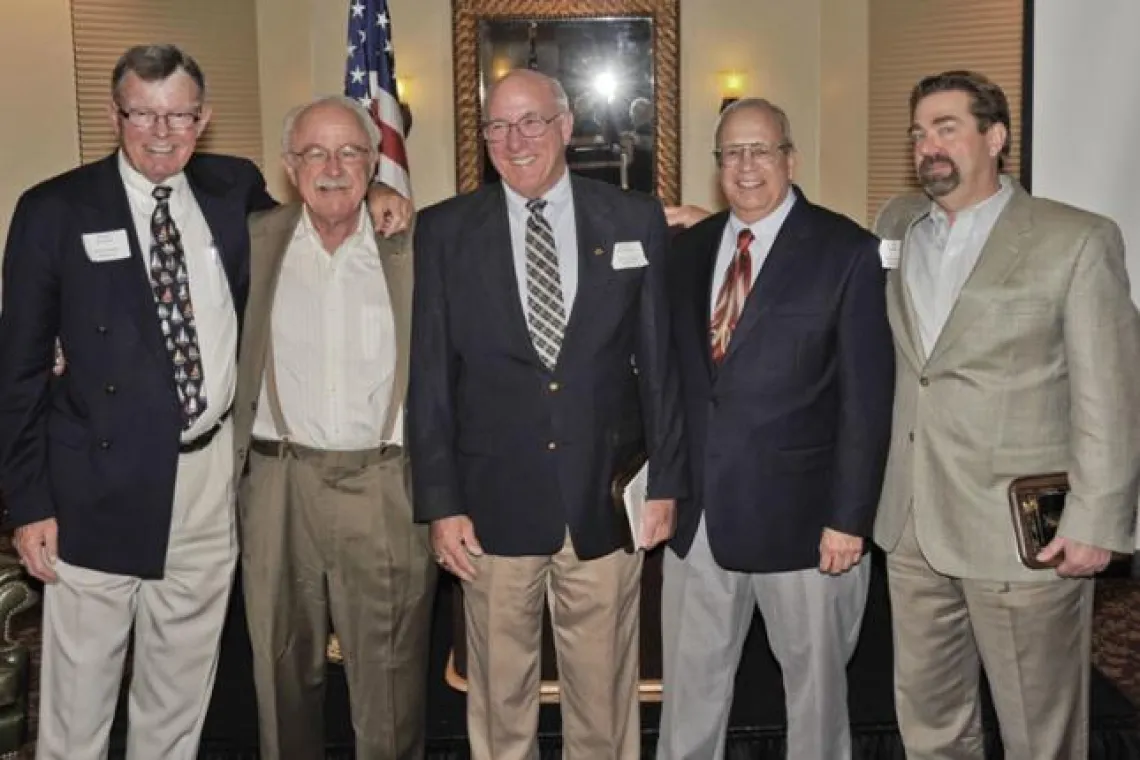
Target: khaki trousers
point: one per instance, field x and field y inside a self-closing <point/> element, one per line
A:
<point x="330" y="534"/>
<point x="177" y="622"/>
<point x="1032" y="638"/>
<point x="594" y="614"/>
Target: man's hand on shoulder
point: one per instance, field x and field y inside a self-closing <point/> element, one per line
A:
<point x="838" y="551"/>
<point x="685" y="216"/>
<point x="391" y="212"/>
<point x="1073" y="558"/>
<point x="453" y="542"/>
<point x="37" y="544"/>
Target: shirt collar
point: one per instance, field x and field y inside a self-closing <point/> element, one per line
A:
<point x="557" y="197"/>
<point x="941" y="220"/>
<point x="768" y="227"/>
<point x="364" y="235"/>
<point x="134" y="180"/>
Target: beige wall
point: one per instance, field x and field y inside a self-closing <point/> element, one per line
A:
<point x="810" y="56"/>
<point x="40" y="132"/>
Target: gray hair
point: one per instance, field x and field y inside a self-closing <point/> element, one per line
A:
<point x="156" y="63"/>
<point x="758" y="104"/>
<point x="557" y="91"/>
<point x="352" y="105"/>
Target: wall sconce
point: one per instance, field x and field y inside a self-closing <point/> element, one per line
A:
<point x="403" y="85"/>
<point x="731" y="87"/>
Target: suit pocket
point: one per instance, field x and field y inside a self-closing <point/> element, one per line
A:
<point x="806" y="459"/>
<point x="68" y="432"/>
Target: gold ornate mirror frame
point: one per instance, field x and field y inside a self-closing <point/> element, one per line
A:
<point x="466" y="18"/>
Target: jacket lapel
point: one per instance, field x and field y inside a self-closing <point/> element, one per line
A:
<point x="396" y="260"/>
<point x="595" y="232"/>
<point x="268" y="246"/>
<point x="491" y="238"/>
<point x="129" y="277"/>
<point x="900" y="307"/>
<point x="780" y="264"/>
<point x="1000" y="254"/>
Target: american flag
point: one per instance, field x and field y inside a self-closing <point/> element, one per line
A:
<point x="370" y="77"/>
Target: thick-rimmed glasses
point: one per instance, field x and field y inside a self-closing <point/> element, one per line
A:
<point x="177" y="121"/>
<point x="731" y="156"/>
<point x="347" y="155"/>
<point x="529" y="126"/>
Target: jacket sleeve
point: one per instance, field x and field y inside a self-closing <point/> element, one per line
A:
<point x="431" y="380"/>
<point x="659" y="381"/>
<point x="29" y="322"/>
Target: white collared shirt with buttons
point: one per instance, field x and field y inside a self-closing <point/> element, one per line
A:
<point x="941" y="255"/>
<point x="214" y="313"/>
<point x="334" y="344"/>
<point x="765" y="231"/>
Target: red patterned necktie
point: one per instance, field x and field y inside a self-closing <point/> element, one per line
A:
<point x="730" y="300"/>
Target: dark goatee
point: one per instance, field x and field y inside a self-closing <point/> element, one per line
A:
<point x="937" y="185"/>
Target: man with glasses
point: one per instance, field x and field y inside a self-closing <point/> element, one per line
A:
<point x="118" y="471"/>
<point x="325" y="513"/>
<point x="787" y="372"/>
<point x="541" y="367"/>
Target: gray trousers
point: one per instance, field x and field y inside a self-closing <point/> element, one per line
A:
<point x="330" y="535"/>
<point x="813" y="622"/>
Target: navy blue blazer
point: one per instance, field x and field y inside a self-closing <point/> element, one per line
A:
<point x="790" y="433"/>
<point x="98" y="447"/>
<point x="525" y="451"/>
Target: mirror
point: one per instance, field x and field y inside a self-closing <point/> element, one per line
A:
<point x="617" y="60"/>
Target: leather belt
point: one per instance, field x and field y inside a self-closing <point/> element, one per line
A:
<point x="351" y="459"/>
<point x="202" y="441"/>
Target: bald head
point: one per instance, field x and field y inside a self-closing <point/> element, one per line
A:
<point x="530" y="80"/>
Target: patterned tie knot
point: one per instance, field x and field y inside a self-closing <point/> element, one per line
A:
<point x="744" y="239"/>
<point x="536" y="205"/>
<point x="161" y="193"/>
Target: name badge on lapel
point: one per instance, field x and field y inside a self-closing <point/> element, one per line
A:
<point x="629" y="255"/>
<point x="107" y="246"/>
<point x="889" y="252"/>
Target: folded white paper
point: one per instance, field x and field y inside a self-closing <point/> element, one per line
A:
<point x="634" y="498"/>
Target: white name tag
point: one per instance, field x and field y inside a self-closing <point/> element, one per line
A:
<point x="107" y="246"/>
<point x="629" y="255"/>
<point x="889" y="252"/>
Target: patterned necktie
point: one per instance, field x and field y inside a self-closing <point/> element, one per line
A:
<point x="733" y="293"/>
<point x="171" y="283"/>
<point x="545" y="316"/>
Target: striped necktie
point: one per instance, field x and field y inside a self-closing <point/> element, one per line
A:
<point x="545" y="314"/>
<point x="733" y="294"/>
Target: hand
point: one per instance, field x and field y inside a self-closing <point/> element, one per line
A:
<point x="658" y="520"/>
<point x="452" y="540"/>
<point x="839" y="552"/>
<point x="685" y="216"/>
<point x="1074" y="559"/>
<point x="391" y="212"/>
<point x="37" y="544"/>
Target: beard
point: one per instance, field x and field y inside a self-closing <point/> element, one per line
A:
<point x="938" y="185"/>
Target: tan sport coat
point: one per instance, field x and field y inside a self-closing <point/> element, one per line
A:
<point x="1037" y="370"/>
<point x="270" y="233"/>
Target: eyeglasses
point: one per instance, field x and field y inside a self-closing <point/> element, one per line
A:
<point x="178" y="121"/>
<point x="733" y="155"/>
<point x="529" y="126"/>
<point x="347" y="155"/>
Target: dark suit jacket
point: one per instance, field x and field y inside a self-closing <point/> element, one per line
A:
<point x="98" y="447"/>
<point x="524" y="451"/>
<point x="790" y="433"/>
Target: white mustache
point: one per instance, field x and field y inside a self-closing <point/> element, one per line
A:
<point x="331" y="183"/>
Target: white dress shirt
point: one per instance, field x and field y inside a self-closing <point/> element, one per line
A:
<point x="214" y="313"/>
<point x="559" y="212"/>
<point x="942" y="253"/>
<point x="334" y="344"/>
<point x="764" y="230"/>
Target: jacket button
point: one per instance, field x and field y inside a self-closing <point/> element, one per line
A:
<point x="910" y="436"/>
<point x="241" y="453"/>
<point x="101" y="329"/>
<point x="253" y="406"/>
<point x="104" y="444"/>
<point x="924" y="381"/>
<point x="551" y="446"/>
<point x="554" y="387"/>
<point x="110" y="389"/>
